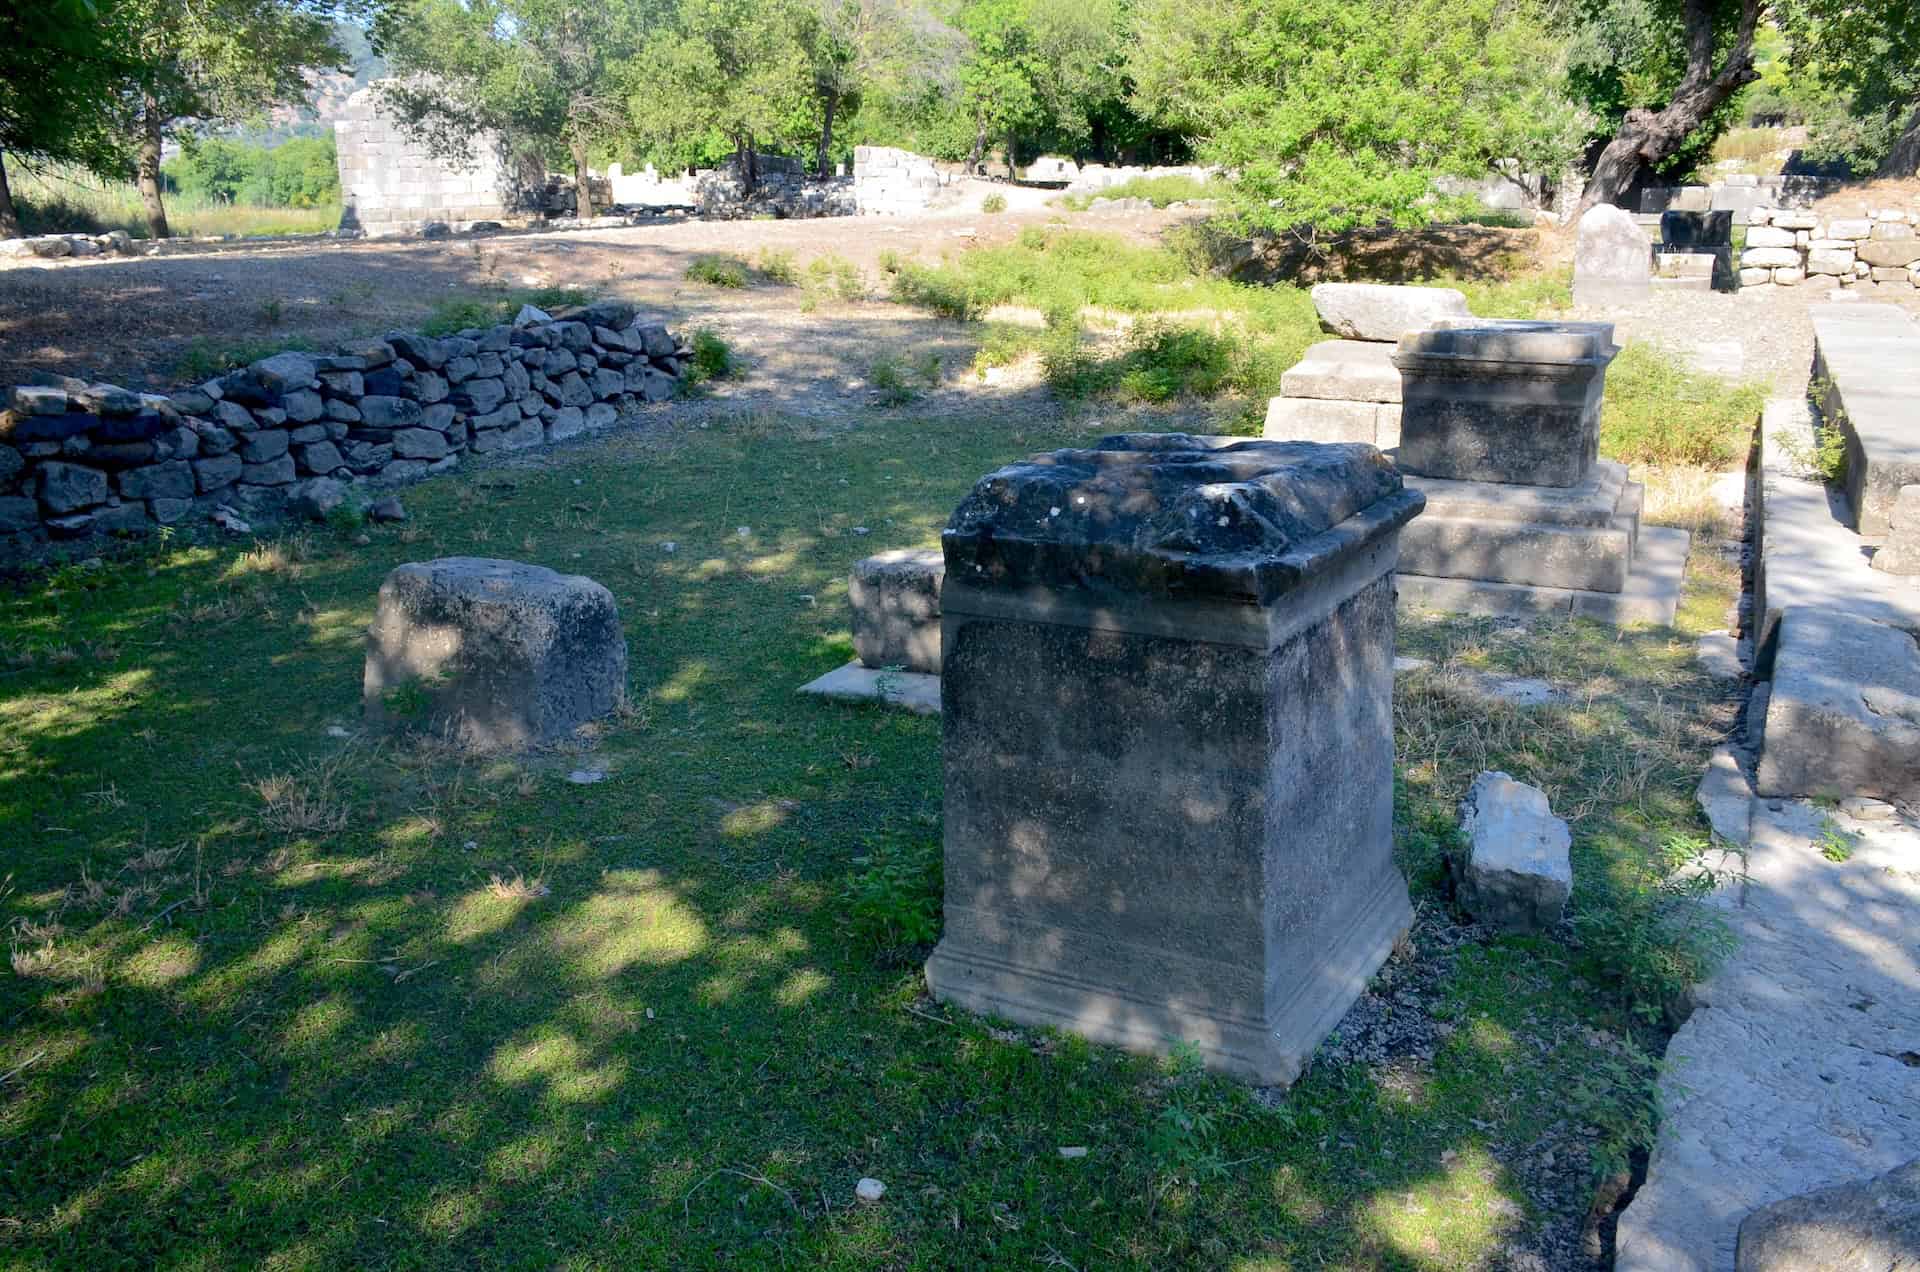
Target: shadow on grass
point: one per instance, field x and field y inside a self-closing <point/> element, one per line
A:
<point x="418" y="1010"/>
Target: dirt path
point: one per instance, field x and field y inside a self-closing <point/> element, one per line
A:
<point x="131" y="321"/>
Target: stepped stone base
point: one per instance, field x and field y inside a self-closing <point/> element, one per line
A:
<point x="1346" y="370"/>
<point x="1652" y="593"/>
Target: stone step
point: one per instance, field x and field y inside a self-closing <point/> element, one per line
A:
<point x="1345" y="370"/>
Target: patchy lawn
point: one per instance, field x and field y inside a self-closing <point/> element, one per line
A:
<point x="289" y="998"/>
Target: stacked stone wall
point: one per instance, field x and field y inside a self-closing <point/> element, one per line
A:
<point x="1877" y="249"/>
<point x="298" y="429"/>
<point x="391" y="183"/>
<point x="891" y="182"/>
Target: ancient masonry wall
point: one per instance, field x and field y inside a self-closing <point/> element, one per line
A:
<point x="1879" y="249"/>
<point x="892" y="182"/>
<point x="296" y="429"/>
<point x="391" y="183"/>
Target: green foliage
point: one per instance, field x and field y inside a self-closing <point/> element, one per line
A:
<point x="713" y="358"/>
<point x="1649" y="938"/>
<point x="838" y="275"/>
<point x="204" y="359"/>
<point x="1159" y="191"/>
<point x="1658" y="411"/>
<point x="457" y="313"/>
<point x="1337" y="113"/>
<point x="994" y="203"/>
<point x="301" y="173"/>
<point x="1184" y="1135"/>
<point x="1618" y="1093"/>
<point x="776" y="264"/>
<point x="718" y="271"/>
<point x="893" y="902"/>
<point x="1835" y="845"/>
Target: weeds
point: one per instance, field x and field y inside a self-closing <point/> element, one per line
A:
<point x="302" y="803"/>
<point x="1159" y="191"/>
<point x="1618" y="1094"/>
<point x="1657" y="411"/>
<point x="517" y="887"/>
<point x="713" y="358"/>
<point x="718" y="271"/>
<point x="1835" y="845"/>
<point x="459" y="313"/>
<point x="900" y="381"/>
<point x="1652" y="939"/>
<point x="1183" y="1136"/>
<point x="994" y="204"/>
<point x="893" y="903"/>
<point x="776" y="263"/>
<point x="204" y="359"/>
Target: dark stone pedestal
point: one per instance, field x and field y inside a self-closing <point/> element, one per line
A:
<point x="1168" y="744"/>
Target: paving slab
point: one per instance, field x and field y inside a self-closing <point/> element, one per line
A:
<point x="917" y="691"/>
<point x="1867" y="379"/>
<point x="1795" y="1070"/>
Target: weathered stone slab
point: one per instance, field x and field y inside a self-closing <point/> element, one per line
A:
<point x="1166" y="692"/>
<point x="1652" y="593"/>
<point x="1519" y="871"/>
<point x="1867" y="375"/>
<point x="1346" y="370"/>
<point x="1872" y="1225"/>
<point x="1380" y="311"/>
<point x="1900" y="554"/>
<point x="494" y="655"/>
<point x="1504" y="401"/>
<point x="1844" y="715"/>
<point x="1330" y="420"/>
<point x="1612" y="259"/>
<point x="895" y="598"/>
<point x="917" y="691"/>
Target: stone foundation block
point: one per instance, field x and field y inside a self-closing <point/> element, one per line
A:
<point x="895" y="597"/>
<point x="1167" y="741"/>
<point x="1518" y="873"/>
<point x="1844" y="714"/>
<point x="494" y="655"/>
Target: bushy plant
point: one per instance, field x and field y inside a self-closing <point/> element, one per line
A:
<point x="778" y="265"/>
<point x="1659" y="411"/>
<point x="893" y="901"/>
<point x="1649" y="937"/>
<point x="718" y="271"/>
<point x="712" y="357"/>
<point x="994" y="203"/>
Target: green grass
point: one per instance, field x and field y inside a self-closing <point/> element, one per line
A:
<point x="279" y="998"/>
<point x="1159" y="191"/>
<point x="1660" y="411"/>
<point x="718" y="271"/>
<point x="57" y="201"/>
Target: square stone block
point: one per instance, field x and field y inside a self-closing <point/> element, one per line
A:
<point x="1564" y="537"/>
<point x="895" y="597"/>
<point x="494" y="655"/>
<point x="1346" y="370"/>
<point x="1167" y="741"/>
<point x="1844" y="715"/>
<point x="1503" y="401"/>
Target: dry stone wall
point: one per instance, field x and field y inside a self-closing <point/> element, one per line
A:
<point x="1879" y="248"/>
<point x="296" y="430"/>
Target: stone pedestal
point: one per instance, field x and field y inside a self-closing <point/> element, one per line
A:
<point x="493" y="655"/>
<point x="1612" y="260"/>
<point x="1168" y="743"/>
<point x="895" y="599"/>
<point x="1500" y="429"/>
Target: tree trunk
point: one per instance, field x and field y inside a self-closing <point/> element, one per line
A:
<point x="979" y="151"/>
<point x="1013" y="144"/>
<point x="1649" y="136"/>
<point x="9" y="215"/>
<point x="1904" y="159"/>
<point x="826" y="136"/>
<point x="753" y="166"/>
<point x="582" y="190"/>
<point x="147" y="169"/>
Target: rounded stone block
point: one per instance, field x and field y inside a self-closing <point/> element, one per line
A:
<point x="493" y="655"/>
<point x="895" y="598"/>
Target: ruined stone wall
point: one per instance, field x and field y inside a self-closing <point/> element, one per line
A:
<point x="892" y="182"/>
<point x="299" y="430"/>
<point x="391" y="183"/>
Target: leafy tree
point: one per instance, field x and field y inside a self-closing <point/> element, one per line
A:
<point x="539" y="73"/>
<point x="1337" y="113"/>
<point x="214" y="61"/>
<point x="997" y="80"/>
<point x="61" y="64"/>
<point x="854" y="48"/>
<point x="1865" y="51"/>
<point x="300" y="173"/>
<point x="732" y="69"/>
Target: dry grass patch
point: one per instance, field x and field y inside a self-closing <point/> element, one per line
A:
<point x="301" y="803"/>
<point x="517" y="887"/>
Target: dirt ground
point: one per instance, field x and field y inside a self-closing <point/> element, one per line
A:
<point x="131" y="321"/>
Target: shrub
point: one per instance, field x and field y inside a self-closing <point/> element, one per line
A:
<point x="1650" y="938"/>
<point x="777" y="264"/>
<point x="1658" y="411"/>
<point x="718" y="271"/>
<point x="994" y="203"/>
<point x="942" y="291"/>
<point x="712" y="357"/>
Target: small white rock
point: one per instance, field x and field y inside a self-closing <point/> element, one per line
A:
<point x="587" y="777"/>
<point x="1071" y="1153"/>
<point x="869" y="1191"/>
<point x="335" y="731"/>
<point x="1861" y="808"/>
<point x="744" y="532"/>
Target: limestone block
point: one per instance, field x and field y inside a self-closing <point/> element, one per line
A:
<point x="1519" y="872"/>
<point x="172" y="480"/>
<point x="494" y="655"/>
<point x="1892" y="229"/>
<point x="1900" y="553"/>
<point x="1377" y="311"/>
<point x="1344" y="370"/>
<point x="1851" y="228"/>
<point x="1789" y="277"/>
<point x="1751" y="277"/>
<point x="1869" y="1225"/>
<point x="1146" y="696"/>
<point x="1844" y="715"/>
<point x="895" y="599"/>
<point x="1828" y="261"/>
<point x="69" y="488"/>
<point x="1890" y="252"/>
<point x="1770" y="258"/>
<point x="1504" y="401"/>
<point x="1321" y="420"/>
<point x="1612" y="260"/>
<point x="1795" y="219"/>
<point x="1767" y="236"/>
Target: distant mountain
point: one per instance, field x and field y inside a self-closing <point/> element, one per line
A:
<point x="327" y="97"/>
